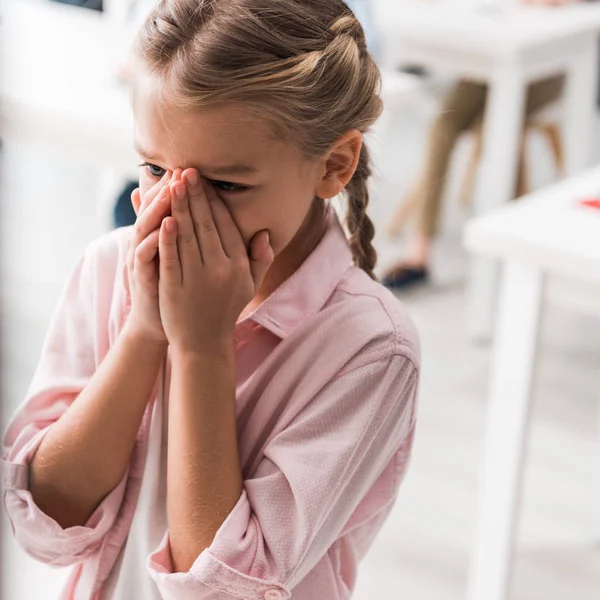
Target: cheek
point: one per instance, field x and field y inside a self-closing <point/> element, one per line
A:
<point x="281" y="210"/>
<point x="145" y="180"/>
<point x="288" y="216"/>
<point x="248" y="217"/>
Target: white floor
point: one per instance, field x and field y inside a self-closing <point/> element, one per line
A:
<point x="50" y="209"/>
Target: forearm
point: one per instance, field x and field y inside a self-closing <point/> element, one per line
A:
<point x="86" y="452"/>
<point x="204" y="480"/>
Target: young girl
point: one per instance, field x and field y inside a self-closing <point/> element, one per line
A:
<point x="225" y="404"/>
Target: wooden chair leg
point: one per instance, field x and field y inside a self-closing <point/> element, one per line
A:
<point x="468" y="185"/>
<point x="522" y="183"/>
<point x="552" y="132"/>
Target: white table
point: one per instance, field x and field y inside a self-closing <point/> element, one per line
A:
<point x="545" y="234"/>
<point x="507" y="49"/>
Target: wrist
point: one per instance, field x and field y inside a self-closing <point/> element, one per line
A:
<point x="220" y="350"/>
<point x="143" y="341"/>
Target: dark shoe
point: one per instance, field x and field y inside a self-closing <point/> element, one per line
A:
<point x="403" y="276"/>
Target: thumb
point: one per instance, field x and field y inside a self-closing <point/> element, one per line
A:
<point x="261" y="257"/>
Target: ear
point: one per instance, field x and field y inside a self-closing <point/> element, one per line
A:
<point x="339" y="163"/>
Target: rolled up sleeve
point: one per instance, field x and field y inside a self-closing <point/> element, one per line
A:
<point x="311" y="479"/>
<point x="68" y="360"/>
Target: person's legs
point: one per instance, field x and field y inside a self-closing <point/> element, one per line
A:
<point x="461" y="107"/>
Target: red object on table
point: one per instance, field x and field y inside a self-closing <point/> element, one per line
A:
<point x="591" y="203"/>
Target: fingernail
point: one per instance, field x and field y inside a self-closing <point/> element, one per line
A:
<point x="268" y="240"/>
<point x="192" y="177"/>
<point x="180" y="191"/>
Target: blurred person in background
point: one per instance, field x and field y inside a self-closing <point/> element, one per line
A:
<point x="462" y="109"/>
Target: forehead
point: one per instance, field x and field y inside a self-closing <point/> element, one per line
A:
<point x="185" y="136"/>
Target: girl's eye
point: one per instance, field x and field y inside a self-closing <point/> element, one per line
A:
<point x="153" y="170"/>
<point x="227" y="186"/>
<point x="223" y="186"/>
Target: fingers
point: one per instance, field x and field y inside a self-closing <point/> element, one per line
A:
<point x="153" y="192"/>
<point x="149" y="213"/>
<point x="261" y="257"/>
<point x="143" y="264"/>
<point x="149" y="197"/>
<point x="187" y="242"/>
<point x="151" y="210"/>
<point x="170" y="265"/>
<point x="204" y="224"/>
<point x="142" y="227"/>
<point x="151" y="217"/>
<point x="231" y="238"/>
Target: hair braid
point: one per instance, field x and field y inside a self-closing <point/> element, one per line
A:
<point x="360" y="226"/>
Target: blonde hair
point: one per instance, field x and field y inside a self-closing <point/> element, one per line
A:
<point x="303" y="65"/>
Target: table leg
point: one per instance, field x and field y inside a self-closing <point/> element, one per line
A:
<point x="598" y="461"/>
<point x="503" y="123"/>
<point x="506" y="430"/>
<point x="580" y="105"/>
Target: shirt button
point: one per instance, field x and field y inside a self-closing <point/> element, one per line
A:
<point x="273" y="595"/>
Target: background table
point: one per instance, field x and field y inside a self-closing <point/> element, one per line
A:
<point x="546" y="234"/>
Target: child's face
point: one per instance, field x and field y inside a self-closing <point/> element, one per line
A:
<point x="264" y="182"/>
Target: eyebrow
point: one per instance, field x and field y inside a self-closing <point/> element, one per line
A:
<point x="143" y="152"/>
<point x="234" y="169"/>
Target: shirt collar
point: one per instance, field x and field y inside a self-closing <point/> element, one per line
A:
<point x="307" y="290"/>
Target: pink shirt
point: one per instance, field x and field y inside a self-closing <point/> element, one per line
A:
<point x="327" y="376"/>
